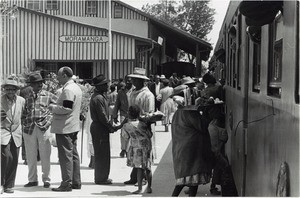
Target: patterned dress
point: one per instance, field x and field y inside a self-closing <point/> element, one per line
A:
<point x="139" y="153"/>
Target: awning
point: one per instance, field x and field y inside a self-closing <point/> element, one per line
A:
<point x="183" y="40"/>
<point x="259" y="13"/>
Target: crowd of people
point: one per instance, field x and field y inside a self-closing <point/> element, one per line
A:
<point x="40" y="117"/>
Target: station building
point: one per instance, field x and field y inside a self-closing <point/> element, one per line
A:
<point x="51" y="34"/>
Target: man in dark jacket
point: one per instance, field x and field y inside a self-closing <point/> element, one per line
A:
<point x="100" y="129"/>
<point x="155" y="88"/>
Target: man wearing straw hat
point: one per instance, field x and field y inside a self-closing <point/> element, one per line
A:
<point x="12" y="107"/>
<point x="144" y="98"/>
<point x="36" y="135"/>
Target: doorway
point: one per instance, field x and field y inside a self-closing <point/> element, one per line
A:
<point x="82" y="69"/>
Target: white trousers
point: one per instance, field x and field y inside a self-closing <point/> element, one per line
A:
<point x="38" y="140"/>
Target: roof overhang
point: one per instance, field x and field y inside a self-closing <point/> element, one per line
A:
<point x="183" y="40"/>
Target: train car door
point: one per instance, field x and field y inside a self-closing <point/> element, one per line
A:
<point x="237" y="66"/>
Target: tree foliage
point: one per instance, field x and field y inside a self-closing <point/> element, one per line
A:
<point x="192" y="16"/>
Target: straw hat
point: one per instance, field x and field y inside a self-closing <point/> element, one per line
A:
<point x="187" y="80"/>
<point x="139" y="72"/>
<point x="177" y="90"/>
<point x="162" y="77"/>
<point x="10" y="82"/>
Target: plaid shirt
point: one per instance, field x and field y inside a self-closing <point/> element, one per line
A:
<point x="37" y="112"/>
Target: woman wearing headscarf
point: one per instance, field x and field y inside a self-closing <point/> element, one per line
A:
<point x="191" y="148"/>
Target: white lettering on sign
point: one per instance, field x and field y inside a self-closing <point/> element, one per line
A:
<point x="84" y="39"/>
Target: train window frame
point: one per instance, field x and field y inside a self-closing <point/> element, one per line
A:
<point x="91" y="7"/>
<point x="297" y="87"/>
<point x="35" y="5"/>
<point x="118" y="11"/>
<point x="52" y="5"/>
<point x="275" y="61"/>
<point x="239" y="52"/>
<point x="256" y="67"/>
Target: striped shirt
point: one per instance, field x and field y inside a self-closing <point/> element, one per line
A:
<point x="37" y="111"/>
<point x="144" y="99"/>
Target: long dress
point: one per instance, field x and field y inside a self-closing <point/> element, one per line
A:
<point x="139" y="153"/>
<point x="168" y="106"/>
<point x="191" y="148"/>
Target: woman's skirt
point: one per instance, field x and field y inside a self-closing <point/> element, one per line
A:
<point x="194" y="180"/>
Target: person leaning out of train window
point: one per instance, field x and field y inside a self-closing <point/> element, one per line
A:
<point x="213" y="88"/>
<point x="12" y="107"/>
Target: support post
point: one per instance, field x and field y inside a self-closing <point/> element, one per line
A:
<point x="198" y="62"/>
<point x="109" y="42"/>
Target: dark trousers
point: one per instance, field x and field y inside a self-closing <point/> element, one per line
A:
<point x="9" y="164"/>
<point x="133" y="175"/>
<point x="178" y="189"/>
<point x="23" y="150"/>
<point x="68" y="158"/>
<point x="100" y="138"/>
<point x="157" y="105"/>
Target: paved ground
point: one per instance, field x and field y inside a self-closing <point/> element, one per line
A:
<point x="163" y="175"/>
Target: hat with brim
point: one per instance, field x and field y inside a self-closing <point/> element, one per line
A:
<point x="35" y="77"/>
<point x="177" y="90"/>
<point x="10" y="82"/>
<point x="99" y="80"/>
<point x="187" y="80"/>
<point x="139" y="72"/>
<point x="162" y="77"/>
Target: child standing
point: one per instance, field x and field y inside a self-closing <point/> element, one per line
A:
<point x="139" y="154"/>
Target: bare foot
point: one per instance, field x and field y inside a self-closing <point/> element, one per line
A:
<point x="149" y="190"/>
<point x="137" y="192"/>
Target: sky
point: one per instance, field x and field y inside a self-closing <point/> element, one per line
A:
<point x="219" y="5"/>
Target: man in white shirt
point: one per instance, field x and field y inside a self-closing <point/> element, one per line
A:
<point x="65" y="125"/>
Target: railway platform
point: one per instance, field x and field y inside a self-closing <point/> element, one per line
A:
<point x="162" y="184"/>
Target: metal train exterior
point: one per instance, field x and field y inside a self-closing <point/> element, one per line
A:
<point x="258" y="57"/>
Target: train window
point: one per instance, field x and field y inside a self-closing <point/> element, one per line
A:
<point x="52" y="5"/>
<point x="232" y="55"/>
<point x="275" y="61"/>
<point x="256" y="67"/>
<point x="297" y="95"/>
<point x="232" y="52"/>
<point x="239" y="54"/>
<point x="91" y="7"/>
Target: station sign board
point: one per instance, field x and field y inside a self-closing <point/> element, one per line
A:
<point x="83" y="39"/>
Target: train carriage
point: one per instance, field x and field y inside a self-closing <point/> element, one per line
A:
<point x="257" y="55"/>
